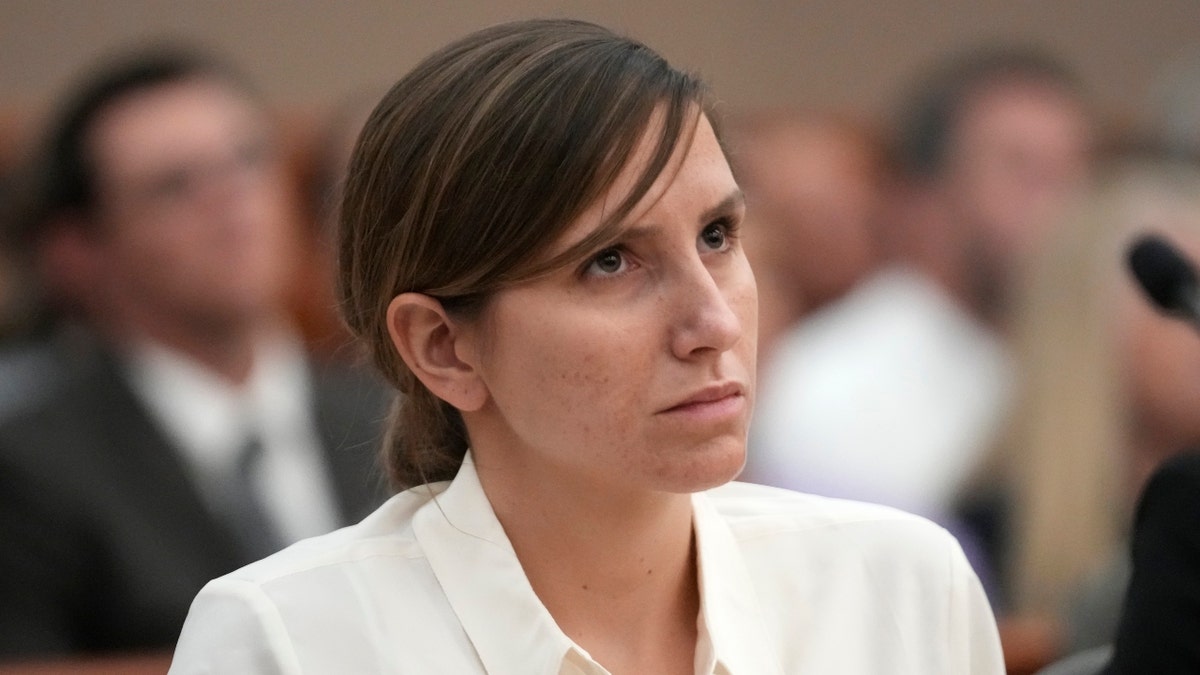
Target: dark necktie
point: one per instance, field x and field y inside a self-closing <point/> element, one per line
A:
<point x="247" y="515"/>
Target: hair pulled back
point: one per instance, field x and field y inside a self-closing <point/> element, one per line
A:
<point x="470" y="167"/>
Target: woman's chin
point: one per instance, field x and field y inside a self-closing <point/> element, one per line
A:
<point x="705" y="468"/>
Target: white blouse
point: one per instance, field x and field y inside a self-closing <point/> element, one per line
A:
<point x="429" y="583"/>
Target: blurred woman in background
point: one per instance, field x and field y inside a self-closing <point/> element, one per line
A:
<point x="1109" y="389"/>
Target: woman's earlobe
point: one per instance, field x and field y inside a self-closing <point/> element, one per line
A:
<point x="425" y="337"/>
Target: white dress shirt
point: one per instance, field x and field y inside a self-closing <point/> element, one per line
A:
<point x="893" y="396"/>
<point x="429" y="583"/>
<point x="209" y="421"/>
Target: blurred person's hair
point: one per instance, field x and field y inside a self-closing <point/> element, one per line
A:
<point x="66" y="174"/>
<point x="929" y="118"/>
<point x="1067" y="447"/>
<point x="25" y="310"/>
<point x="10" y="269"/>
<point x="60" y="177"/>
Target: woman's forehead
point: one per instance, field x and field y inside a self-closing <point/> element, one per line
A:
<point x="596" y="217"/>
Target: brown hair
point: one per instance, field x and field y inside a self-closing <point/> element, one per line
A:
<point x="471" y="167"/>
<point x="933" y="113"/>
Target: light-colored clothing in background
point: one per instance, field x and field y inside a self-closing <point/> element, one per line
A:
<point x="893" y="395"/>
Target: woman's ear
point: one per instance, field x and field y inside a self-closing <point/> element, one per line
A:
<point x="426" y="338"/>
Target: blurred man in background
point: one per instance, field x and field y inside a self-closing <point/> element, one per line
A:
<point x="993" y="148"/>
<point x="896" y="393"/>
<point x="191" y="435"/>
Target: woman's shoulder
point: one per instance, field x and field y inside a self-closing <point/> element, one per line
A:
<point x="386" y="533"/>
<point x="750" y="502"/>
<point x="358" y="597"/>
<point x="320" y="599"/>
<point x="832" y="526"/>
<point x="847" y="574"/>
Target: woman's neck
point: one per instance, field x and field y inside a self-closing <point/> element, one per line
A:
<point x="616" y="571"/>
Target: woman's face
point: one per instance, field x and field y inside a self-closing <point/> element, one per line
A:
<point x="634" y="367"/>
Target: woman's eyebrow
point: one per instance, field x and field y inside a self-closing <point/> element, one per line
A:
<point x="630" y="233"/>
<point x="733" y="202"/>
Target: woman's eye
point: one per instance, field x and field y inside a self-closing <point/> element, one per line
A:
<point x="715" y="237"/>
<point x="607" y="262"/>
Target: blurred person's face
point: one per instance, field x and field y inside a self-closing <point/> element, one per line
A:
<point x="191" y="214"/>
<point x="1019" y="154"/>
<point x="815" y="197"/>
<point x="633" y="368"/>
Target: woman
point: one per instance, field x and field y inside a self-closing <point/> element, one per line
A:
<point x="539" y="244"/>
<point x="1108" y="392"/>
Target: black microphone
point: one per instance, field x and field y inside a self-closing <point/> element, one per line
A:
<point x="1167" y="277"/>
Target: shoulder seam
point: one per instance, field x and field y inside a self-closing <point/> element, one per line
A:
<point x="278" y="642"/>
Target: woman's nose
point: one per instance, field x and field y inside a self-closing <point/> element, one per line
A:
<point x="704" y="320"/>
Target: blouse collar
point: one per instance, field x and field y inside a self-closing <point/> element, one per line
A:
<point x="512" y="631"/>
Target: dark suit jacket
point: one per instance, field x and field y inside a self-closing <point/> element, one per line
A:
<point x="1160" y="623"/>
<point x="104" y="541"/>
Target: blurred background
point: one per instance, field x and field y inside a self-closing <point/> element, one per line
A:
<point x="947" y="330"/>
<point x="853" y="55"/>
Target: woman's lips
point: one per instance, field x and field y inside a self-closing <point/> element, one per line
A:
<point x="713" y="402"/>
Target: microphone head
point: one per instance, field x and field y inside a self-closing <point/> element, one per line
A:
<point x="1164" y="274"/>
